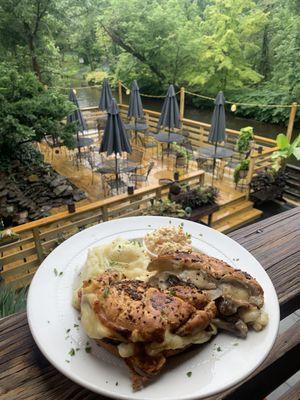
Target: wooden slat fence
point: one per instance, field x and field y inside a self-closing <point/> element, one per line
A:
<point x="19" y="260"/>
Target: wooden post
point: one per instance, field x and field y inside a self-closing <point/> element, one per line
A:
<point x="181" y="103"/>
<point x="290" y="127"/>
<point x="120" y="92"/>
<point x="250" y="174"/>
<point x="38" y="244"/>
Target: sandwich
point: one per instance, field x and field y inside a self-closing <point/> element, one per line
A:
<point x="142" y="323"/>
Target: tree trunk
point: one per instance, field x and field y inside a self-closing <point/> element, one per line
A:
<point x="34" y="61"/>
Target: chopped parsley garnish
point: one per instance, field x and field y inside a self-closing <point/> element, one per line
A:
<point x="219" y="348"/>
<point x="48" y="322"/>
<point x="87" y="343"/>
<point x="67" y="337"/>
<point x="72" y="352"/>
<point x="61" y="273"/>
<point x="235" y="344"/>
<point x="188" y="235"/>
<point x="76" y="326"/>
<point x="105" y="292"/>
<point x="67" y="361"/>
<point x="201" y="234"/>
<point x="77" y="349"/>
<point x="189" y="374"/>
<point x="55" y="272"/>
<point x="117" y="383"/>
<point x="88" y="349"/>
<point x="181" y="225"/>
<point x="68" y="330"/>
<point x="172" y="292"/>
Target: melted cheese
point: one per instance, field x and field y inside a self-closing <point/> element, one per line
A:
<point x="197" y="278"/>
<point x="255" y="317"/>
<point x="126" y="350"/>
<point x="90" y="321"/>
<point x="173" y="342"/>
<point x="235" y="292"/>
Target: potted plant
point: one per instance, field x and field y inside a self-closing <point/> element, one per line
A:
<point x="243" y="143"/>
<point x="165" y="208"/>
<point x="197" y="197"/>
<point x="285" y="150"/>
<point x="267" y="185"/>
<point x="182" y="155"/>
<point x="240" y="171"/>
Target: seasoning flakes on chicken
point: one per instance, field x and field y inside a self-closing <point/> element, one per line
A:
<point x="144" y="324"/>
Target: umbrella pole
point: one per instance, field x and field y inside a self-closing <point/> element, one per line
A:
<point x="135" y="131"/>
<point x="169" y="133"/>
<point x="116" y="171"/>
<point x="214" y="163"/>
<point x="78" y="147"/>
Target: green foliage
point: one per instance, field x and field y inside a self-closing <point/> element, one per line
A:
<point x="264" y="180"/>
<point x="165" y="208"/>
<point x="241" y="166"/>
<point x="12" y="301"/>
<point x="286" y="149"/>
<point x="29" y="111"/>
<point x="95" y="77"/>
<point x="198" y="197"/>
<point x="181" y="151"/>
<point x="249" y="49"/>
<point x="243" y="142"/>
<point x="229" y="30"/>
<point x="266" y="94"/>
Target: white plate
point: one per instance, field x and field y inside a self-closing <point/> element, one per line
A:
<point x="215" y="366"/>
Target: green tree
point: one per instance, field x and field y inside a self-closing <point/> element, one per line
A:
<point x="157" y="35"/>
<point x="229" y="42"/>
<point x="29" y="112"/>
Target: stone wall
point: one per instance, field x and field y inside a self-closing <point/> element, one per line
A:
<point x="29" y="193"/>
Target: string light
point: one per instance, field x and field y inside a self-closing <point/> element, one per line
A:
<point x="234" y="105"/>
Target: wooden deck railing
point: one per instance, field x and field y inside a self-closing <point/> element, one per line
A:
<point x="19" y="260"/>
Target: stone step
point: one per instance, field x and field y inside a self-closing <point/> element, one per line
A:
<point x="237" y="220"/>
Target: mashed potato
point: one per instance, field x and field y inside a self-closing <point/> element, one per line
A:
<point x="128" y="257"/>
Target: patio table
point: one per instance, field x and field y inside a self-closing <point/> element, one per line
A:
<point x="83" y="142"/>
<point x="165" y="137"/>
<point x="138" y="127"/>
<point x="26" y="374"/>
<point x="210" y="152"/>
<point x="109" y="166"/>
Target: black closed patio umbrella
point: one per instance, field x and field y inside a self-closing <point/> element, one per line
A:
<point x="76" y="117"/>
<point x="106" y="96"/>
<point x="135" y="109"/>
<point x="218" y="124"/>
<point x="115" y="139"/>
<point x="169" y="117"/>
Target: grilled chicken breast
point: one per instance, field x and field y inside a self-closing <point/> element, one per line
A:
<point x="238" y="296"/>
<point x="144" y="324"/>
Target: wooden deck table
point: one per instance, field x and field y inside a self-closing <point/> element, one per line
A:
<point x="26" y="374"/>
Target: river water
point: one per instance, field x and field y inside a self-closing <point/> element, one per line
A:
<point x="89" y="96"/>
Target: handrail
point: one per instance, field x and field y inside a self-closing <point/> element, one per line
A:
<point x="98" y="204"/>
<point x="191" y="122"/>
<point x="206" y="125"/>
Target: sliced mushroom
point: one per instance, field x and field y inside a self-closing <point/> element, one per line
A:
<point x="238" y="328"/>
